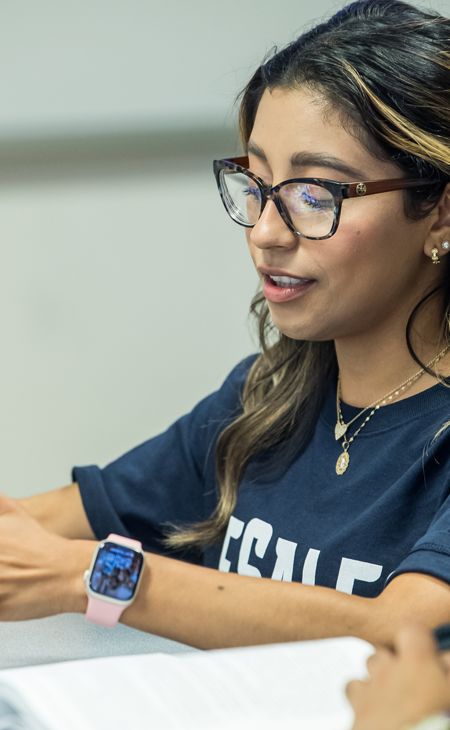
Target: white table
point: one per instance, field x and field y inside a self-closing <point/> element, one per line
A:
<point x="70" y="636"/>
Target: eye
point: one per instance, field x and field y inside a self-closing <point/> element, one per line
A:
<point x="303" y="198"/>
<point x="309" y="201"/>
<point x="254" y="192"/>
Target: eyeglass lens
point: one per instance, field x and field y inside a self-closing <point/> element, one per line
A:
<point x="309" y="207"/>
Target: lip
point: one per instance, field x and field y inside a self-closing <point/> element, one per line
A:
<point x="278" y="294"/>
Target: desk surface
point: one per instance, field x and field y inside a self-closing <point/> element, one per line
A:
<point x="70" y="636"/>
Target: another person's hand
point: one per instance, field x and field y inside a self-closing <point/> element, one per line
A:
<point x="404" y="686"/>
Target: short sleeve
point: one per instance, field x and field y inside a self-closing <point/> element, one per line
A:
<point x="431" y="553"/>
<point x="169" y="479"/>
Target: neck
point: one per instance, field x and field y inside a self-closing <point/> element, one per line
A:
<point x="374" y="363"/>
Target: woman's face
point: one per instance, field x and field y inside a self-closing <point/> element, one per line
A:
<point x="373" y="270"/>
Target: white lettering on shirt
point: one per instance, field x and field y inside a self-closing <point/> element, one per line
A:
<point x="309" y="567"/>
<point x="234" y="531"/>
<point x="256" y="536"/>
<point x="284" y="567"/>
<point x="259" y="532"/>
<point x="352" y="570"/>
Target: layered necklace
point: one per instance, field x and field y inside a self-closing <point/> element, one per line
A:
<point x="341" y="427"/>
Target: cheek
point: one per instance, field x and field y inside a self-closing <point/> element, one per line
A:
<point x="370" y="267"/>
<point x="370" y="238"/>
<point x="379" y="218"/>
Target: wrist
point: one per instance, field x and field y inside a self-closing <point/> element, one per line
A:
<point x="77" y="559"/>
<point x="113" y="579"/>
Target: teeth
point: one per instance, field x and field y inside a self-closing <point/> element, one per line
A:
<point x="285" y="280"/>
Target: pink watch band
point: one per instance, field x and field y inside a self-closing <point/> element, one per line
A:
<point x="127" y="541"/>
<point x="100" y="612"/>
<point x="103" y="614"/>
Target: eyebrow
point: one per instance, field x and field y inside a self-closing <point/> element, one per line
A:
<point x="310" y="159"/>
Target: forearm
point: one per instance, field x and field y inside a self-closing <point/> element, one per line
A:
<point x="209" y="609"/>
<point x="191" y="604"/>
<point x="60" y="511"/>
<point x="42" y="574"/>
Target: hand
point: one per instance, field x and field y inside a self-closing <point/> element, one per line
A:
<point x="40" y="572"/>
<point x="403" y="687"/>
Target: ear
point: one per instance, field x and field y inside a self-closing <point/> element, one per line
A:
<point x="439" y="231"/>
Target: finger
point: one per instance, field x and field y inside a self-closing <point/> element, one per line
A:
<point x="378" y="661"/>
<point x="353" y="691"/>
<point x="416" y="642"/>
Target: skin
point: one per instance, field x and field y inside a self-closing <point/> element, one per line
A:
<point x="367" y="277"/>
<point x="370" y="274"/>
<point x="404" y="686"/>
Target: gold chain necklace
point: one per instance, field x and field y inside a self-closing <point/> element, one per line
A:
<point x="342" y="427"/>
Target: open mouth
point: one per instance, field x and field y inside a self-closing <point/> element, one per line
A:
<point x="284" y="288"/>
<point x="287" y="281"/>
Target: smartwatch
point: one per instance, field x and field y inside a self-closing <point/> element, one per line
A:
<point x="113" y="579"/>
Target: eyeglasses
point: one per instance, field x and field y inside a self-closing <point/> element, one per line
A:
<point x="310" y="207"/>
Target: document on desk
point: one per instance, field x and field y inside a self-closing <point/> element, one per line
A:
<point x="281" y="686"/>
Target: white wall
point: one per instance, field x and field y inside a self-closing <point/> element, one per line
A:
<point x="132" y="62"/>
<point x="121" y="306"/>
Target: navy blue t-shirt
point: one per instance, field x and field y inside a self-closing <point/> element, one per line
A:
<point x="389" y="513"/>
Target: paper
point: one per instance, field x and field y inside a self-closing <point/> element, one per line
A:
<point x="297" y="685"/>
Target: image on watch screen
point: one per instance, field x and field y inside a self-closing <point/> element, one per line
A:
<point x="116" y="571"/>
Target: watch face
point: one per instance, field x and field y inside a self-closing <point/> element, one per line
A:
<point x="116" y="571"/>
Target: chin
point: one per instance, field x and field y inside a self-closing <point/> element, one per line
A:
<point x="296" y="330"/>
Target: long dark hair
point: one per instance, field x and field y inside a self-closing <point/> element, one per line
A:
<point x="384" y="65"/>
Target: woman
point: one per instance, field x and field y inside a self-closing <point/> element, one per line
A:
<point x="331" y="448"/>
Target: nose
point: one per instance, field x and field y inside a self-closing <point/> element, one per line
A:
<point x="271" y="231"/>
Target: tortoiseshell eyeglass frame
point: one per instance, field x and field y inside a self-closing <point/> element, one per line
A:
<point x="340" y="191"/>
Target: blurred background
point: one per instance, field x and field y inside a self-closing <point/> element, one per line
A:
<point x="124" y="286"/>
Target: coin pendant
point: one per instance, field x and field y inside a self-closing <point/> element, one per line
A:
<point x="342" y="463"/>
<point x="339" y="430"/>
